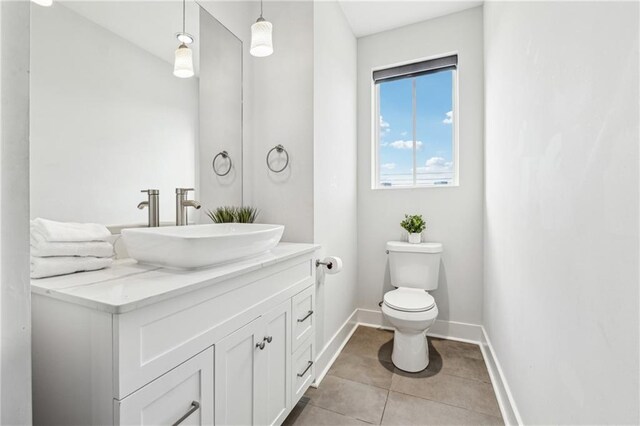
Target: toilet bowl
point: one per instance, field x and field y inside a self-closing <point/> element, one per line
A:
<point x="411" y="312"/>
<point x="414" y="271"/>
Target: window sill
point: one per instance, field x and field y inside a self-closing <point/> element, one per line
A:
<point x="395" y="188"/>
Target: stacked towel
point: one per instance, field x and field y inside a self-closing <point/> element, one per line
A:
<point x="59" y="248"/>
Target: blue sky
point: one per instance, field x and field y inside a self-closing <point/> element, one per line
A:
<point x="433" y="128"/>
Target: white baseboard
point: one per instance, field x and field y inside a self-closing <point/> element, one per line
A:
<point x="508" y="408"/>
<point x="470" y="333"/>
<point x="326" y="358"/>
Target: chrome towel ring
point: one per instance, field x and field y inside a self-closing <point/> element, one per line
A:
<point x="279" y="149"/>
<point x="225" y="155"/>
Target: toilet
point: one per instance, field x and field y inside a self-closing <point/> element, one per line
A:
<point x="410" y="308"/>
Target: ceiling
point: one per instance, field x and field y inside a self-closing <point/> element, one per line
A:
<point x="149" y="25"/>
<point x="370" y="17"/>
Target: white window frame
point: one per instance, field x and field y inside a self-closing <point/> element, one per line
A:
<point x="375" y="132"/>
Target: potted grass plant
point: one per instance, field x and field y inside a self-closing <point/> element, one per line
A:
<point x="229" y="214"/>
<point x="414" y="225"/>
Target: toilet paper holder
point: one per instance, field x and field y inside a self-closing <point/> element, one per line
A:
<point x="329" y="265"/>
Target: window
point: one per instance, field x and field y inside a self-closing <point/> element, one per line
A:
<point x="415" y="115"/>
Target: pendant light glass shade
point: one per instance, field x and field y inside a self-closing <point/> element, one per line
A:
<point x="261" y="39"/>
<point x="183" y="65"/>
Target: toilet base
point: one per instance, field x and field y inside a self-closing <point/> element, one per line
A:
<point x="410" y="351"/>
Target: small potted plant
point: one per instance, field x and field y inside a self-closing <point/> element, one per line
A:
<point x="414" y="225"/>
<point x="230" y="214"/>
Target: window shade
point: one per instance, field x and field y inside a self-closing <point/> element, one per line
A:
<point x="416" y="69"/>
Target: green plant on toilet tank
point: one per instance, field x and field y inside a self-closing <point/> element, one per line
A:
<point x="231" y="214"/>
<point x="414" y="225"/>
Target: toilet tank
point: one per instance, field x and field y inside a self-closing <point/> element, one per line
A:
<point x="414" y="265"/>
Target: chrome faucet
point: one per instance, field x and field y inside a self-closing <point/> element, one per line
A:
<point x="153" y="204"/>
<point x="181" y="206"/>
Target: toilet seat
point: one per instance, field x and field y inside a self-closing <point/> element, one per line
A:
<point x="409" y="300"/>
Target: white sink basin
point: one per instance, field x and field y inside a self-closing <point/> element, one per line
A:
<point x="196" y="246"/>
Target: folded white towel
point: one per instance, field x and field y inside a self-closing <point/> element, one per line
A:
<point x="86" y="248"/>
<point x="42" y="267"/>
<point x="65" y="232"/>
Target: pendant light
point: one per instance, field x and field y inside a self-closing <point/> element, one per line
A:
<point x="261" y="41"/>
<point x="183" y="64"/>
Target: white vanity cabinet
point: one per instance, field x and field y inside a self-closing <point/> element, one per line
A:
<point x="228" y="345"/>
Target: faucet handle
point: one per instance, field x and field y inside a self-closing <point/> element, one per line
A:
<point x="151" y="191"/>
<point x="183" y="190"/>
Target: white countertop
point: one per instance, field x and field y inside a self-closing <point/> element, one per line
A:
<point x="128" y="285"/>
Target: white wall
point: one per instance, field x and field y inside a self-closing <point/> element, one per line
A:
<point x="101" y="131"/>
<point x="561" y="229"/>
<point x="282" y="108"/>
<point x="335" y="158"/>
<point x="15" y="289"/>
<point x="454" y="214"/>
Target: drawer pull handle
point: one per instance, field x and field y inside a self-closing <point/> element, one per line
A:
<point x="268" y="339"/>
<point x="303" y="319"/>
<point x="306" y="369"/>
<point x="260" y="345"/>
<point x="195" y="405"/>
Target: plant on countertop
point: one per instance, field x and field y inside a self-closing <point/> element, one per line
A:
<point x="246" y="214"/>
<point x="224" y="214"/>
<point x="413" y="224"/>
<point x="230" y="214"/>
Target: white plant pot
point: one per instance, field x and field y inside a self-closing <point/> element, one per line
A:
<point x="415" y="238"/>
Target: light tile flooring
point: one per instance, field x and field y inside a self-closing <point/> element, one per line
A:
<point x="363" y="387"/>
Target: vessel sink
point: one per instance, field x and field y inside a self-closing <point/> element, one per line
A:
<point x="197" y="246"/>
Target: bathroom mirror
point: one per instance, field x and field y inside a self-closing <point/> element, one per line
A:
<point x="109" y="118"/>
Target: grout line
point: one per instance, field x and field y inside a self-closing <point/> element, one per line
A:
<point x="336" y="412"/>
<point x="385" y="405"/>
<point x="360" y="383"/>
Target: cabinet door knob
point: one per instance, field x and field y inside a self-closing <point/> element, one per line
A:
<point x="260" y="345"/>
<point x="194" y="407"/>
<point x="268" y="339"/>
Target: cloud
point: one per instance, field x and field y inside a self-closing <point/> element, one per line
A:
<point x="436" y="165"/>
<point x="448" y="119"/>
<point x="403" y="134"/>
<point x="388" y="166"/>
<point x="402" y="144"/>
<point x="384" y="126"/>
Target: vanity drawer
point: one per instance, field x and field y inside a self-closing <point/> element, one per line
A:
<point x="303" y="372"/>
<point x="184" y="395"/>
<point x="304" y="317"/>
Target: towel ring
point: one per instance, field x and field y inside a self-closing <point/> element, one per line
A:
<point x="279" y="149"/>
<point x="225" y="155"/>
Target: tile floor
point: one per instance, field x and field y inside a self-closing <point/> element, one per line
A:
<point x="363" y="387"/>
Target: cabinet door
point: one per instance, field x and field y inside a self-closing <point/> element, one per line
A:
<point x="237" y="383"/>
<point x="278" y="363"/>
<point x="184" y="395"/>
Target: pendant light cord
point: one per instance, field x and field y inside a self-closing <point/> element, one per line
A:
<point x="261" y="8"/>
<point x="183" y="14"/>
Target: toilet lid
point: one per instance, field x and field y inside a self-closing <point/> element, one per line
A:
<point x="409" y="300"/>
